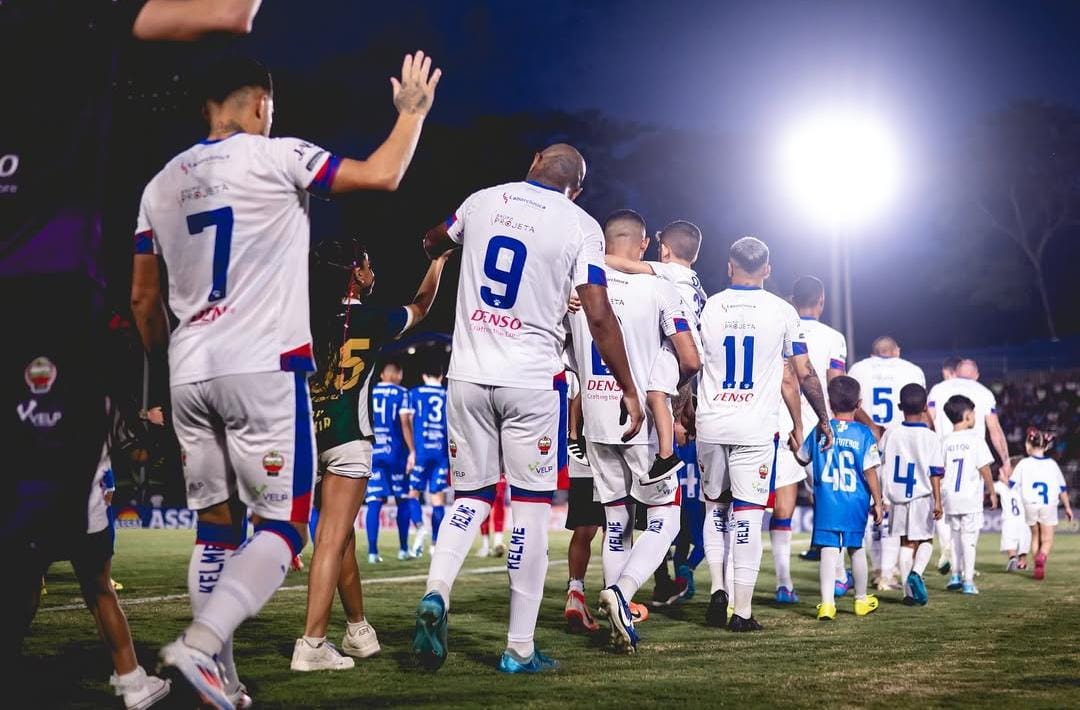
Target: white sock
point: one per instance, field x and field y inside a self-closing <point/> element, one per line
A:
<point x="922" y="556"/>
<point x="841" y="571"/>
<point x="970" y="542"/>
<point x="576" y="585"/>
<point x="945" y="536"/>
<point x="872" y="539"/>
<point x="907" y="560"/>
<point x="860" y="571"/>
<point x="457" y="532"/>
<point x="650" y="548"/>
<point x="498" y="536"/>
<point x="827" y="574"/>
<point x="956" y="552"/>
<point x="204" y="570"/>
<point x="716" y="543"/>
<point x="890" y="554"/>
<point x="251" y="577"/>
<point x="781" y="552"/>
<point x="527" y="563"/>
<point x="618" y="541"/>
<point x="746" y="541"/>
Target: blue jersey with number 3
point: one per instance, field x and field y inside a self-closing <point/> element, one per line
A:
<point x="428" y="404"/>
<point x="841" y="496"/>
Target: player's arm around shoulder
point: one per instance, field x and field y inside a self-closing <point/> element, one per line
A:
<point x="628" y="266"/>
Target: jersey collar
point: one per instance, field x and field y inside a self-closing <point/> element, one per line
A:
<point x="1040" y="458"/>
<point x="807" y="318"/>
<point x="541" y="185"/>
<point x="207" y="141"/>
<point x="924" y="425"/>
<point x="735" y="287"/>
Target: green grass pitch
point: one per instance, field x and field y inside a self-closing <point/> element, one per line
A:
<point x="1015" y="645"/>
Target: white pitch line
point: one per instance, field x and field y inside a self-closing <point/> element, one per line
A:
<point x="139" y="601"/>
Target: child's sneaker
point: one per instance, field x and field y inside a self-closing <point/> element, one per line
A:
<point x="918" y="588"/>
<point x="970" y="588"/>
<point x="866" y="606"/>
<point x="955" y="583"/>
<point x="138" y="689"/>
<point x="786" y="596"/>
<point x="1012" y="565"/>
<point x="1040" y="566"/>
<point x="661" y="469"/>
<point x="826" y="612"/>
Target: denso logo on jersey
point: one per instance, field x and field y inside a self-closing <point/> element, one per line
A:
<point x="734" y="397"/>
<point x="602" y="386"/>
<point x="499" y="320"/>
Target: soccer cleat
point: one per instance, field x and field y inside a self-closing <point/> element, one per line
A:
<point x="740" y="625"/>
<point x="499" y="550"/>
<point x="811" y="555"/>
<point x="661" y="469"/>
<point x="323" y="657"/>
<point x="918" y="588"/>
<point x="429" y="639"/>
<point x="199" y="671"/>
<point x="240" y="698"/>
<point x="955" y="583"/>
<point x="617" y="611"/>
<point x="577" y="613"/>
<point x="1012" y="565"/>
<point x="403" y="555"/>
<point x="668" y="593"/>
<point x="686" y="573"/>
<point x="970" y="588"/>
<point x="717" y="613"/>
<point x="887" y="582"/>
<point x="826" y="612"/>
<point x="786" y="596"/>
<point x="536" y="663"/>
<point x="374" y="559"/>
<point x="840" y="588"/>
<point x="139" y="690"/>
<point x="866" y="606"/>
<point x="1040" y="566"/>
<point x="943" y="565"/>
<point x="908" y="601"/>
<point x="638" y="612"/>
<point x="577" y="450"/>
<point x="361" y="642"/>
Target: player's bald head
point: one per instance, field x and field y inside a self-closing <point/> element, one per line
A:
<point x="560" y="166"/>
<point x="968" y="369"/>
<point x="885" y="346"/>
<point x="624" y="231"/>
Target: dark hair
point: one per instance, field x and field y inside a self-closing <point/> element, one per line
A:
<point x="1040" y="439"/>
<point x="912" y="398"/>
<point x="807" y="292"/>
<point x="956" y="406"/>
<point x="624" y="215"/>
<point x="950" y="363"/>
<point x="330" y="269"/>
<point x="683" y="238"/>
<point x="843" y="393"/>
<point x="750" y="254"/>
<point x="231" y="74"/>
<point x="390" y="365"/>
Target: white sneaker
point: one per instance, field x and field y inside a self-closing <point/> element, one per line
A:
<point x="199" y="670"/>
<point x="360" y="641"/>
<point x="418" y="543"/>
<point x="138" y="689"/>
<point x="239" y="697"/>
<point x="403" y="555"/>
<point x="484" y="551"/>
<point x="373" y="559"/>
<point x="323" y="657"/>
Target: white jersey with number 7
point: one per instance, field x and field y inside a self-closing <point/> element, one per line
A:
<point x="525" y="247"/>
<point x="746" y="332"/>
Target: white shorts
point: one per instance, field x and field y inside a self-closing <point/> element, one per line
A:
<point x="788" y="470"/>
<point x="249" y="435"/>
<point x="351" y="460"/>
<point x="745" y="470"/>
<point x="616" y="468"/>
<point x="497" y="429"/>
<point x="965" y="522"/>
<point x="1015" y="535"/>
<point x="913" y="520"/>
<point x="664" y="376"/>
<point x="1040" y="513"/>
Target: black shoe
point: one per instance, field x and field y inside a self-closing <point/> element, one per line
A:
<point x="662" y="468"/>
<point x="740" y="625"/>
<point x="669" y="593"/>
<point x="576" y="449"/>
<point x="716" y="614"/>
<point x="909" y="601"/>
<point x="811" y="555"/>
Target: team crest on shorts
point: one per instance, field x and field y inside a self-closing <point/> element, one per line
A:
<point x="544" y="445"/>
<point x="273" y="462"/>
<point x="40" y="375"/>
<point x="763" y="471"/>
<point x="453" y="447"/>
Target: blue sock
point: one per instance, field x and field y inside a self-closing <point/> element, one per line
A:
<point x="437" y="512"/>
<point x="313" y="524"/>
<point x="371" y="526"/>
<point x="416" y="512"/>
<point x="404" y="510"/>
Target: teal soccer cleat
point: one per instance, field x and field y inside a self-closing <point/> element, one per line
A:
<point x="429" y="640"/>
<point x="536" y="663"/>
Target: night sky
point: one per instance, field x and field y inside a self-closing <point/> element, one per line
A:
<point x="727" y="76"/>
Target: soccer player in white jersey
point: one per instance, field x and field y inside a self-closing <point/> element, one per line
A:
<point x="967" y="473"/>
<point x="747" y="333"/>
<point x="649" y="311"/>
<point x="525" y="247"/>
<point x="679" y="243"/>
<point x="229" y="217"/>
<point x="827" y="349"/>
<point x="967" y="383"/>
<point x="1041" y="484"/>
<point x="881" y="377"/>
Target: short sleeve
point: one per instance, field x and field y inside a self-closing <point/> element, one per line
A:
<point x="872" y="457"/>
<point x="982" y="452"/>
<point x="1060" y="478"/>
<point x="305" y="165"/>
<point x="406" y="402"/>
<point x="673" y="317"/>
<point x="838" y="356"/>
<point x="455" y="223"/>
<point x="589" y="265"/>
<point x="794" y="337"/>
<point x="991" y="401"/>
<point x="936" y="464"/>
<point x="144" y="231"/>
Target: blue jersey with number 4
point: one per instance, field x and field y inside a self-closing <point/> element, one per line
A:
<point x="428" y="404"/>
<point x="841" y="496"/>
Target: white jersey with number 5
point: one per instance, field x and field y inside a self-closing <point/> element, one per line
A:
<point x="746" y="332"/>
<point x="525" y="247"/>
<point x="230" y="219"/>
<point x="649" y="311"/>
<point x="880" y="381"/>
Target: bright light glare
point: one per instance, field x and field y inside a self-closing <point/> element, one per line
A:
<point x="842" y="168"/>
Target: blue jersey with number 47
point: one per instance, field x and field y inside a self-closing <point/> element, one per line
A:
<point x="387" y="402"/>
<point x="841" y="496"/>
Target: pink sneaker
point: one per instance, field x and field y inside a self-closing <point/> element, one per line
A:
<point x="1040" y="566"/>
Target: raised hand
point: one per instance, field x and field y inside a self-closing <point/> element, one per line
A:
<point x="415" y="91"/>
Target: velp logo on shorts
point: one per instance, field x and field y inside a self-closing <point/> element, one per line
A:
<point x="273" y="462"/>
<point x="544" y="445"/>
<point x="40" y="375"/>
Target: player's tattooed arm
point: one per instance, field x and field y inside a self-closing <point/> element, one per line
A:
<point x="811" y="388"/>
<point x="686" y="353"/>
<point x="384" y="169"/>
<point x="789" y="390"/>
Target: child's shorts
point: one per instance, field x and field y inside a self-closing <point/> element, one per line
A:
<point x="1041" y="514"/>
<point x="837" y="538"/>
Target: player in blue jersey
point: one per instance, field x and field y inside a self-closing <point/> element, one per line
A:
<point x="389" y="409"/>
<point x="845" y="483"/>
<point x="429" y="468"/>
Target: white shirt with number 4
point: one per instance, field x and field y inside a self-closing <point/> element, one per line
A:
<point x="910" y="455"/>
